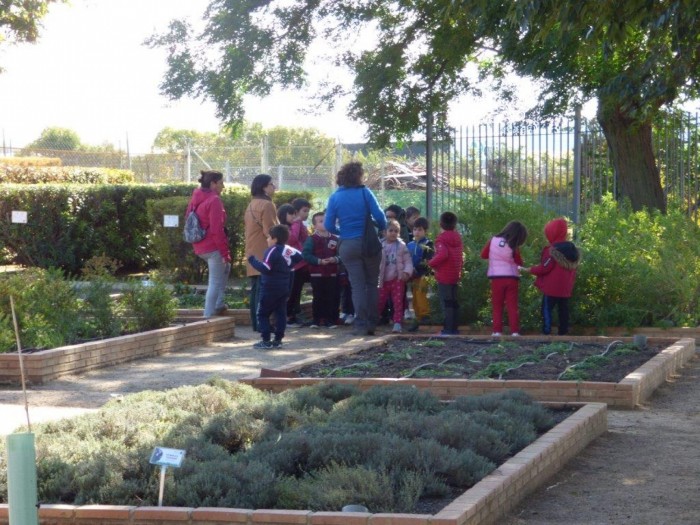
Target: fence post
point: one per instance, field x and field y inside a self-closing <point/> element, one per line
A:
<point x="264" y="154"/>
<point x="429" y="166"/>
<point x="577" y="165"/>
<point x="189" y="161"/>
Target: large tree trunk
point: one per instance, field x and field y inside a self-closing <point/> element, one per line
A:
<point x="632" y="155"/>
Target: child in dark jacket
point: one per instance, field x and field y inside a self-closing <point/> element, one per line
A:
<point x="447" y="264"/>
<point x="321" y="254"/>
<point x="275" y="270"/>
<point x="503" y="254"/>
<point x="556" y="275"/>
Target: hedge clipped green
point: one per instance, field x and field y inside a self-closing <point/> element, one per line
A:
<point x="26" y="174"/>
<point x="315" y="448"/>
<point x="637" y="269"/>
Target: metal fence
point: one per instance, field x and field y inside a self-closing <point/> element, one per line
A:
<point x="563" y="164"/>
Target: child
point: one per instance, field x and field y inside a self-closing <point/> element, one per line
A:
<point x="447" y="264"/>
<point x="412" y="213"/>
<point x="556" y="275"/>
<point x="503" y="254"/>
<point x="394" y="270"/>
<point x="275" y="270"/>
<point x="298" y="233"/>
<point x="286" y="215"/>
<point x="321" y="254"/>
<point x="421" y="249"/>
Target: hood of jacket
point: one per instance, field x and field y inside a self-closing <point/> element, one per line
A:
<point x="556" y="230"/>
<point x="200" y="195"/>
<point x="566" y="255"/>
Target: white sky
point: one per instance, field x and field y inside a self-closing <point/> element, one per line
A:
<point x="89" y="72"/>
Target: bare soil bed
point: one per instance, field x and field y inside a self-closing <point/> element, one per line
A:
<point x="480" y="359"/>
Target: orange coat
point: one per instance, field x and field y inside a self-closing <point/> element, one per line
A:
<point x="260" y="215"/>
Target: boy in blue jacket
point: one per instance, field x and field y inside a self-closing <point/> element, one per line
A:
<point x="275" y="270"/>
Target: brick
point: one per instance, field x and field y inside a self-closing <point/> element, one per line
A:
<point x="161" y="514"/>
<point x="104" y="512"/>
<point x="281" y="517"/>
<point x="216" y="515"/>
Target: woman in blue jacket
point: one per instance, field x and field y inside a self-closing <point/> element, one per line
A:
<point x="345" y="216"/>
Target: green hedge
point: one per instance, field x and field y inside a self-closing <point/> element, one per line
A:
<point x="25" y="174"/>
<point x="69" y="224"/>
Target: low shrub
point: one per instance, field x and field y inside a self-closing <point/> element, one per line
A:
<point x="251" y="449"/>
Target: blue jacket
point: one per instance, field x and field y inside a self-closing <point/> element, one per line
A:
<point x="421" y="252"/>
<point x="346" y="212"/>
<point x="276" y="267"/>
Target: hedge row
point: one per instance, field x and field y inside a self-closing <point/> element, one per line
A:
<point x="30" y="161"/>
<point x="69" y="224"/>
<point x="26" y="174"/>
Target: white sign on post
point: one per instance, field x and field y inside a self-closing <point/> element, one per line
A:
<point x="19" y="217"/>
<point x="171" y="221"/>
<point x="165" y="457"/>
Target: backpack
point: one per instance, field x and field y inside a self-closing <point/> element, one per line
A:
<point x="193" y="231"/>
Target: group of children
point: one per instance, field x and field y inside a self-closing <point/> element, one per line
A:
<point x="295" y="257"/>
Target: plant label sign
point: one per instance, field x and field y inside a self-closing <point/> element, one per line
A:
<point x="19" y="217"/>
<point x="167" y="457"/>
<point x="171" y="221"/>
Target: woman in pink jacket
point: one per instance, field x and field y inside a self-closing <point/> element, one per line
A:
<point x="214" y="248"/>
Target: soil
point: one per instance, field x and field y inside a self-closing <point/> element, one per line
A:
<point x="643" y="471"/>
<point x="481" y="359"/>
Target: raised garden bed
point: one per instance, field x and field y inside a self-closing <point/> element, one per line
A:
<point x="625" y="392"/>
<point x="47" y="365"/>
<point x="484" y="503"/>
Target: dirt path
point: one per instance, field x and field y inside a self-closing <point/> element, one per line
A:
<point x="645" y="470"/>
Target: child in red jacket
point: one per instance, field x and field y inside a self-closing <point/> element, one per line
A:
<point x="503" y="254"/>
<point x="556" y="275"/>
<point x="447" y="264"/>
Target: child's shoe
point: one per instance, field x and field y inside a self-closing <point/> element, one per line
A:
<point x="515" y="334"/>
<point x="292" y="322"/>
<point x="313" y="325"/>
<point x="349" y="319"/>
<point x="262" y="345"/>
<point x="276" y="343"/>
<point x="414" y="326"/>
<point x="397" y="328"/>
<point x="496" y="334"/>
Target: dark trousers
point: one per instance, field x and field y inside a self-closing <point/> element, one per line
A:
<point x="548" y="304"/>
<point x="254" y="301"/>
<point x="272" y="303"/>
<point x="300" y="277"/>
<point x="326" y="299"/>
<point x="450" y="307"/>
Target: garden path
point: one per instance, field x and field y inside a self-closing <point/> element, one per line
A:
<point x="644" y="470"/>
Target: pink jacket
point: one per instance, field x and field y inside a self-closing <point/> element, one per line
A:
<point x="404" y="261"/>
<point x="503" y="260"/>
<point x="212" y="217"/>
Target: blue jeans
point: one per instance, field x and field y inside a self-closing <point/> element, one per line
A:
<point x="363" y="273"/>
<point x="218" y="278"/>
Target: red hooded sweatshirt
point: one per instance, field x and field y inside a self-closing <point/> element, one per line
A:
<point x="212" y="217"/>
<point x="556" y="272"/>
<point x="448" y="259"/>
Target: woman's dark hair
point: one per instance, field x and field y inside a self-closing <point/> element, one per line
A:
<point x="282" y="212"/>
<point x="411" y="211"/>
<point x="350" y="175"/>
<point x="258" y="184"/>
<point x="207" y="177"/>
<point x="514" y="233"/>
<point x="396" y="210"/>
<point x="280" y="233"/>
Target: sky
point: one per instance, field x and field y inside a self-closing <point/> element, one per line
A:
<point x="91" y="73"/>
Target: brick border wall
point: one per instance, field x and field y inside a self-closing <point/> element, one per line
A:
<point x="483" y="504"/>
<point x="628" y="393"/>
<point x="47" y="365"/>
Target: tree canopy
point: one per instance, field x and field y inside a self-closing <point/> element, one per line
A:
<point x="410" y="58"/>
<point x="19" y="19"/>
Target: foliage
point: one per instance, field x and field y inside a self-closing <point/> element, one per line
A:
<point x="20" y="21"/>
<point x="632" y="56"/>
<point x="25" y="173"/>
<point x="53" y="312"/>
<point x="638" y="268"/>
<point x="30" y="161"/>
<point x="54" y="138"/>
<point x="314" y="448"/>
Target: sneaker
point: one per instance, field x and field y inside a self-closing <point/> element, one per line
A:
<point x="330" y="326"/>
<point x="343" y="316"/>
<point x="408" y="314"/>
<point x="515" y="334"/>
<point x="314" y="325"/>
<point x="414" y="326"/>
<point x="349" y="319"/>
<point x="293" y="323"/>
<point x="397" y="328"/>
<point x="496" y="334"/>
<point x="263" y="345"/>
<point x="276" y="343"/>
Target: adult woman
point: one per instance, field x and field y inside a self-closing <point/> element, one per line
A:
<point x="345" y="216"/>
<point x="214" y="247"/>
<point x="259" y="217"/>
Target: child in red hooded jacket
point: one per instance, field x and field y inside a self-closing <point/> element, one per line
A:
<point x="556" y="274"/>
<point x="447" y="265"/>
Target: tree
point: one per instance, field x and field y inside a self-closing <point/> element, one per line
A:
<point x="633" y="56"/>
<point x="54" y="138"/>
<point x="19" y="19"/>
